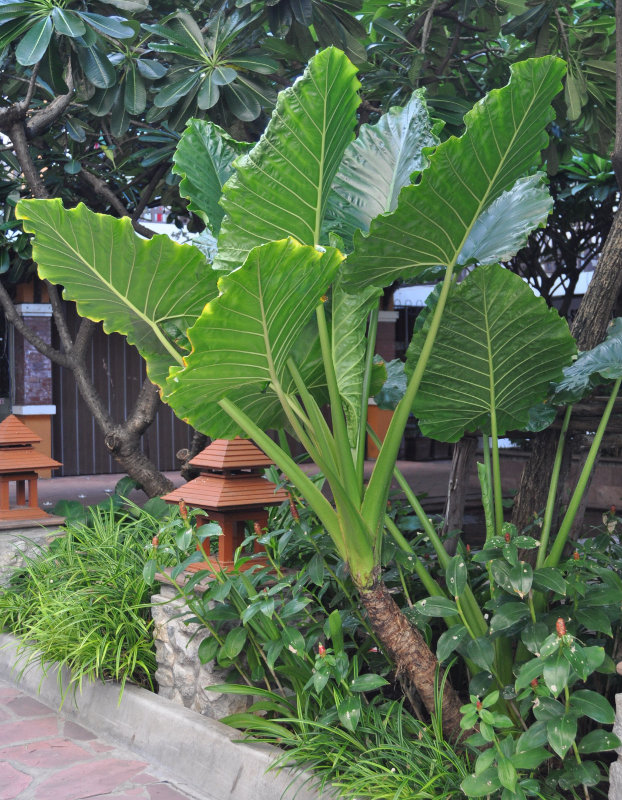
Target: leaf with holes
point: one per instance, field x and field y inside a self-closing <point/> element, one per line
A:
<point x="115" y="276"/>
<point x="497" y="350"/>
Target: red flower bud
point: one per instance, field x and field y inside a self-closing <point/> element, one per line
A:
<point x="560" y="627"/>
<point x="293" y="510"/>
<point x="507" y="537"/>
<point x="468" y="549"/>
<point x="257" y="529"/>
<point x="183" y="509"/>
<point x="155" y="542"/>
<point x="575" y="555"/>
<point x="321" y="650"/>
<point x="478" y="705"/>
<point x="534" y="683"/>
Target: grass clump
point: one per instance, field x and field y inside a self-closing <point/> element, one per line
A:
<point x="82" y="602"/>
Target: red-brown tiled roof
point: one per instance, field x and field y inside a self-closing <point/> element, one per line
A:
<point x="228" y="454"/>
<point x="221" y="492"/>
<point x="24" y="459"/>
<point x="13" y="431"/>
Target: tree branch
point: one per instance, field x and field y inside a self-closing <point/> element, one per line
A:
<point x="616" y="158"/>
<point x="147" y="192"/>
<point x="144" y="410"/>
<point x="17" y="135"/>
<point x="105" y="193"/>
<point x="83" y="338"/>
<point x="59" y="318"/>
<point x="35" y="340"/>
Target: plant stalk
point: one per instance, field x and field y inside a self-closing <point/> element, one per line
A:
<point x="557" y="550"/>
<point x="550" y="501"/>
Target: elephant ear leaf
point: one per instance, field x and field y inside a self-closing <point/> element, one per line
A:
<point x="244" y="337"/>
<point x="592" y="368"/>
<point x="503" y="228"/>
<point x="377" y="165"/>
<point x="497" y="349"/>
<point x="281" y="187"/>
<point x="204" y="158"/>
<point x="113" y="275"/>
<point x="505" y="133"/>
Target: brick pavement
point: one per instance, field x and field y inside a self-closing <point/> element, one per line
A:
<point x="44" y="756"/>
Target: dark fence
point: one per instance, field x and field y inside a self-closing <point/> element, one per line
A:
<point x="118" y="373"/>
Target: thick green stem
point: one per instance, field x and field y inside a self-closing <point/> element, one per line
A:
<point x="375" y="499"/>
<point x="430" y="585"/>
<point x="496" y="474"/>
<point x="557" y="550"/>
<point x="550" y="501"/>
<point x="353" y="487"/>
<point x="301" y="481"/>
<point x="372" y="330"/>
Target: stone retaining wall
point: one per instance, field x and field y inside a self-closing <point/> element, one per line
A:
<point x="180" y="675"/>
<point x="16" y="543"/>
<point x="615" y="773"/>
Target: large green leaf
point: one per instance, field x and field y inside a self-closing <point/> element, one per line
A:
<point x="281" y="187"/>
<point x="498" y="348"/>
<point x="502" y="229"/>
<point x="505" y="133"/>
<point x="377" y="166"/>
<point x="244" y="337"/>
<point x="204" y="158"/>
<point x="349" y="341"/>
<point x="131" y="284"/>
<point x="35" y="42"/>
<point x="593" y="367"/>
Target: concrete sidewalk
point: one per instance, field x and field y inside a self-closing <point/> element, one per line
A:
<point x="45" y="756"/>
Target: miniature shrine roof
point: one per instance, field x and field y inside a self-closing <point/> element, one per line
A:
<point x="14" y="432"/>
<point x="227" y="454"/>
<point x="220" y="492"/>
<point x="24" y="459"/>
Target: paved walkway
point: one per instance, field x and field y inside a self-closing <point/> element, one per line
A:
<point x="46" y="757"/>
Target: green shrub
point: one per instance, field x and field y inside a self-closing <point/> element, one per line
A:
<point x="83" y="602"/>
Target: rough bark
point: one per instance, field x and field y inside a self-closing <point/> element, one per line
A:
<point x="198" y="443"/>
<point x="412" y="656"/>
<point x="464" y="452"/>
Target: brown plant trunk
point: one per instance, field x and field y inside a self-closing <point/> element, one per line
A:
<point x="413" y="658"/>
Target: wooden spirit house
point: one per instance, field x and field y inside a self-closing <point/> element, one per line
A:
<point x="232" y="492"/>
<point x="19" y="462"/>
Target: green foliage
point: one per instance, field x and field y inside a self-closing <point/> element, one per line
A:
<point x="495" y="354"/>
<point x="250" y="332"/>
<point x="204" y="158"/>
<point x="281" y="187"/>
<point x="389" y="754"/>
<point x="295" y="619"/>
<point x="132" y="292"/>
<point x="83" y="602"/>
<point x="432" y="223"/>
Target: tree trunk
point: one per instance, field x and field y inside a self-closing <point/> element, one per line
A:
<point x="412" y="656"/>
<point x="589" y="328"/>
<point x="126" y="451"/>
<point x="464" y="452"/>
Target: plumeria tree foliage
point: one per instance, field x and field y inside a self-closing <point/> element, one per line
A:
<point x="293" y="323"/>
